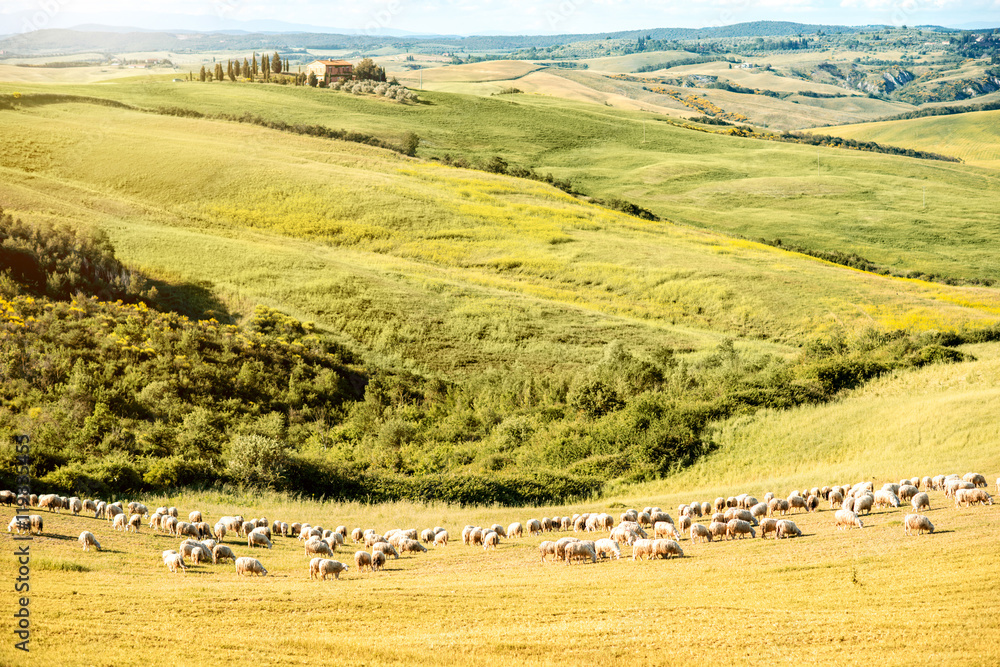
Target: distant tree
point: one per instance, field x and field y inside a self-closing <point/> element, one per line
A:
<point x="265" y="67"/>
<point x="254" y="66"/>
<point x="218" y="72"/>
<point x="202" y="74"/>
<point x="237" y="69"/>
<point x="276" y="63"/>
<point x="367" y="69"/>
<point x="230" y="72"/>
<point x="312" y="80"/>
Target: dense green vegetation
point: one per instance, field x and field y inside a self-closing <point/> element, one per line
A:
<point x="121" y="397"/>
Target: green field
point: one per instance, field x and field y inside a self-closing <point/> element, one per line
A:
<point x="973" y="137"/>
<point x="430" y="266"/>
<point x="869" y="204"/>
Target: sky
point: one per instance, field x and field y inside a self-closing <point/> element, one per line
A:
<point x="468" y="17"/>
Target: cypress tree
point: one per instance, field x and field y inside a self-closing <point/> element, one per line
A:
<point x="276" y="63"/>
<point x="202" y="74"/>
<point x="265" y="67"/>
<point x="236" y="67"/>
<point x="254" y="67"/>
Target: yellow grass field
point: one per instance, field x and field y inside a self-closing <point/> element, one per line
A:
<point x="850" y="597"/>
<point x="973" y="137"/>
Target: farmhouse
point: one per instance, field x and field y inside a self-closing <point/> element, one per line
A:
<point x="330" y="70"/>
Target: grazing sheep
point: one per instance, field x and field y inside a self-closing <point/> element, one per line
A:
<point x="194" y="516"/>
<point x="204" y="530"/>
<point x="717" y="529"/>
<point x="685" y="523"/>
<point x="222" y="552"/>
<point x="119" y="522"/>
<point x="921" y="501"/>
<point x="643" y="550"/>
<point x="886" y="498"/>
<point x="579" y="551"/>
<point x="220" y="531"/>
<point x="894" y="488"/>
<point x="317" y="546"/>
<point x="185" y="528"/>
<point x="88" y="540"/>
<point x="515" y="530"/>
<point x="738" y="529"/>
<point x="173" y="560"/>
<point x="169" y="525"/>
<point x="154" y="521"/>
<point x="7" y="497"/>
<point x="606" y="547"/>
<point x="50" y="501"/>
<point x="788" y="528"/>
<point x="258" y="539"/>
<point x="100" y="510"/>
<point x="385" y="548"/>
<point x="699" y="531"/>
<point x="667" y="549"/>
<point x="356" y="535"/>
<point x="323" y="568"/>
<point x="969" y="497"/>
<point x="561" y="546"/>
<point x="628" y="515"/>
<point x="863" y="504"/>
<point x="363" y="559"/>
<point x="917" y="522"/>
<point x="795" y="501"/>
<point x="172" y="511"/>
<point x="847" y="519"/>
<point x="546" y="548"/>
<point x="200" y="553"/>
<point x="372" y="538"/>
<point x="138" y="508"/>
<point x="719" y="504"/>
<point x="977" y="479"/>
<point x="411" y="546"/>
<point x="75" y="506"/>
<point x="427" y="535"/>
<point x="664" y="529"/>
<point x="378" y="561"/>
<point x="546" y="524"/>
<point x="491" y="541"/>
<point x="777" y="505"/>
<point x="767" y="526"/>
<point x="20" y="524"/>
<point x="836" y="499"/>
<point x="247" y="565"/>
<point x="696" y="509"/>
<point x="758" y="511"/>
<point x="534" y="527"/>
<point x="907" y="492"/>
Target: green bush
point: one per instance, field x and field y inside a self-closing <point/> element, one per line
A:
<point x="257" y="461"/>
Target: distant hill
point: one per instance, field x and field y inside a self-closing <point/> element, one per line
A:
<point x="110" y="39"/>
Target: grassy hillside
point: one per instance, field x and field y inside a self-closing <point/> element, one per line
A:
<point x="934" y="418"/>
<point x="428" y="243"/>
<point x="864" y="203"/>
<point x="973" y="137"/>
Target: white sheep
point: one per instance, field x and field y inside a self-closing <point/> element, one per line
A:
<point x="356" y="535"/>
<point x="918" y="523"/>
<point x="88" y="540"/>
<point x="768" y="526"/>
<point x="699" y="531"/>
<point x="975" y="478"/>
<point x="534" y="527"/>
<point x="665" y="529"/>
<point x="194" y="516"/>
<point x="561" y="546"/>
<point x="119" y="522"/>
<point x="220" y="531"/>
<point x="642" y="550"/>
<point x="491" y="541"/>
<point x="580" y="551"/>
<point x="606" y="547"/>
<point x="907" y="492"/>
<point x="322" y="567"/>
<point x="863" y="504"/>
<point x="515" y="530"/>
<point x="788" y="528"/>
<point x="411" y="546"/>
<point x="921" y="501"/>
<point x="886" y="498"/>
<point x="247" y="565"/>
<point x="385" y="549"/>
<point x="738" y="529"/>
<point x="667" y="549"/>
<point x="847" y="519"/>
<point x="258" y="539"/>
<point x="362" y="559"/>
<point x="173" y="560"/>
<point x="441" y="539"/>
<point x="378" y="561"/>
<point x="717" y="529"/>
<point x="222" y="552"/>
<point x="546" y="548"/>
<point x="317" y="546"/>
<point x="427" y="535"/>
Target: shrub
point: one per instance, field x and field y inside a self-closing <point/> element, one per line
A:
<point x="257" y="461"/>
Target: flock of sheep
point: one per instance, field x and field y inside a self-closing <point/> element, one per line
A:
<point x="736" y="517"/>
